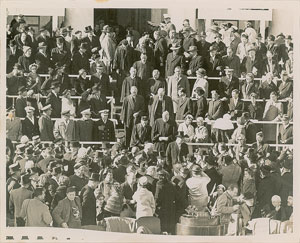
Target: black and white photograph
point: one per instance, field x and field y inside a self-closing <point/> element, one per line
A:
<point x="131" y="122"/>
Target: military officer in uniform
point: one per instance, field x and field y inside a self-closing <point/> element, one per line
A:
<point x="84" y="126"/>
<point x="104" y="129"/>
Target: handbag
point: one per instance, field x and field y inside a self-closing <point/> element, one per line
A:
<point x="20" y="220"/>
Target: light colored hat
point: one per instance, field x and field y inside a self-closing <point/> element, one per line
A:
<point x="29" y="108"/>
<point x="167" y="16"/>
<point x="86" y="112"/>
<point x="104" y="111"/>
<point x="143" y="181"/>
<point x="26" y="48"/>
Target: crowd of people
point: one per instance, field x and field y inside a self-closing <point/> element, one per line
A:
<point x="69" y="165"/>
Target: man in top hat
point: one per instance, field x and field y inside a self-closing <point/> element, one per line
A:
<point x="176" y="151"/>
<point x="160" y="51"/>
<point x="260" y="148"/>
<point x="76" y="41"/>
<point x="285" y="135"/>
<point x="65" y="127"/>
<point x="91" y="40"/>
<point x="141" y="132"/>
<point x="17" y="196"/>
<point x="89" y="201"/>
<point x="54" y="100"/>
<point x="133" y="106"/>
<point x="80" y="59"/>
<point x="85" y="126"/>
<point x="168" y="25"/>
<point x="158" y="104"/>
<point x="194" y="62"/>
<point x="13" y="125"/>
<point x="116" y="148"/>
<point x="30" y="125"/>
<point x="232" y="61"/>
<point x="45" y="124"/>
<point x="174" y="59"/>
<point x="12" y="55"/>
<point x="21" y="102"/>
<point x="101" y="79"/>
<point x="219" y="45"/>
<point x="61" y="55"/>
<point x="228" y="83"/>
<point x="104" y="129"/>
<point x="203" y="45"/>
<point x="42" y="58"/>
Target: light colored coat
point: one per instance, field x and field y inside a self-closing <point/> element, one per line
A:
<point x="145" y="203"/>
<point x="67" y="132"/>
<point x="14" y="129"/>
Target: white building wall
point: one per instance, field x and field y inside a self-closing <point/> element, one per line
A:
<point x="79" y="18"/>
<point x="282" y="21"/>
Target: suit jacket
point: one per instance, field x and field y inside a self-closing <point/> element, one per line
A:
<point x="29" y="129"/>
<point x="61" y="213"/>
<point x="224" y="207"/>
<point x="124" y="58"/>
<point x="61" y="57"/>
<point x="43" y="63"/>
<point x="286" y="133"/>
<point x="195" y="63"/>
<point x="130" y="107"/>
<point x="175" y="155"/>
<point x="221" y="48"/>
<point x="247" y="89"/>
<point x="14" y="129"/>
<point x="203" y="49"/>
<point x="167" y="105"/>
<point x="154" y="85"/>
<point x="184" y="107"/>
<point x="97" y="104"/>
<point x="226" y="87"/>
<point x="200" y="107"/>
<point x="163" y="129"/>
<point x="172" y="62"/>
<point x="25" y="62"/>
<point x="247" y="65"/>
<point x="55" y="103"/>
<point x="80" y="60"/>
<point x="84" y="130"/>
<point x="215" y="179"/>
<point x="239" y="107"/>
<point x="266" y="89"/>
<point x="174" y="84"/>
<point x="285" y="89"/>
<point x="261" y="50"/>
<point x="127" y="84"/>
<point x="267" y="69"/>
<point x="21" y="103"/>
<point x="91" y="44"/>
<point x="215" y="109"/>
<point x="140" y="135"/>
<point x="13" y="83"/>
<point x="104" y="131"/>
<point x="16" y="199"/>
<point x="102" y="83"/>
<point x="12" y="59"/>
<point x="128" y="191"/>
<point x="261" y="150"/>
<point x="46" y="128"/>
<point x="251" y="130"/>
<point x="234" y="63"/>
<point x="211" y="65"/>
<point x="256" y="111"/>
<point x="88" y="206"/>
<point x="187" y="42"/>
<point x="160" y="52"/>
<point x="66" y="132"/>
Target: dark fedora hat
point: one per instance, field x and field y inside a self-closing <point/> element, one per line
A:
<point x="94" y="177"/>
<point x="88" y="29"/>
<point x="25" y="179"/>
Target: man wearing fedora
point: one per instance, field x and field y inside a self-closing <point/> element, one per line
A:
<point x="81" y="59"/>
<point x="42" y="58"/>
<point x="194" y="62"/>
<point x="174" y="59"/>
<point x="12" y="55"/>
<point x="65" y="127"/>
<point x="188" y="39"/>
<point x="219" y="45"/>
<point x="104" y="129"/>
<point x="251" y="63"/>
<point x="13" y="125"/>
<point x="61" y="55"/>
<point x="30" y="125"/>
<point x="160" y="51"/>
<point x="91" y="40"/>
<point x="203" y="45"/>
<point x="228" y="83"/>
<point x="176" y="151"/>
<point x="45" y="124"/>
<point x="88" y="201"/>
<point x="17" y="196"/>
<point x="54" y="100"/>
<point x="101" y="79"/>
<point x="232" y="61"/>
